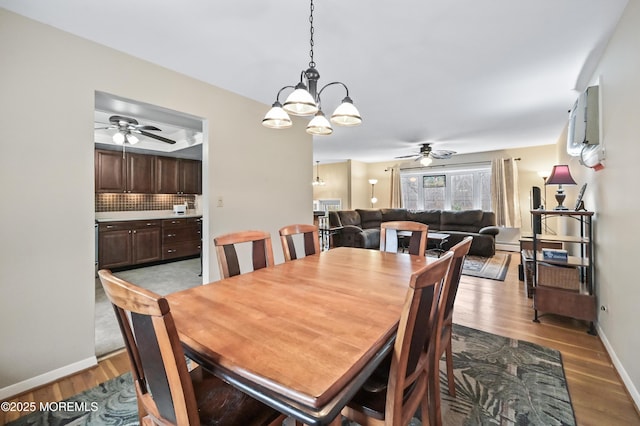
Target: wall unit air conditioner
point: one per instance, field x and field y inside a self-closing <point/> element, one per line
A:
<point x="584" y="122"/>
<point x="583" y="136"/>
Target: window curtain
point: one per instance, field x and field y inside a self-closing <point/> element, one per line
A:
<point x="505" y="197"/>
<point x="396" y="192"/>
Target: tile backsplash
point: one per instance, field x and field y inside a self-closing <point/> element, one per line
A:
<point x="112" y="202"/>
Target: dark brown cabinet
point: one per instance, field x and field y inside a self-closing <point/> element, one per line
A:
<point x="129" y="243"/>
<point x="181" y="237"/>
<point x="178" y="176"/>
<point x="124" y="172"/>
<point x="146" y="174"/>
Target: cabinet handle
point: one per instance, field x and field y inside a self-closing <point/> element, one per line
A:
<point x="110" y="226"/>
<point x="171" y="235"/>
<point x="172" y="251"/>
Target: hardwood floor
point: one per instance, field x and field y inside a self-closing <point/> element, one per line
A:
<point x="499" y="307"/>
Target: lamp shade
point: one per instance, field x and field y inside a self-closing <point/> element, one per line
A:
<point x="277" y="118"/>
<point x="560" y="175"/>
<point x="300" y="102"/>
<point x="346" y="114"/>
<point x="319" y="125"/>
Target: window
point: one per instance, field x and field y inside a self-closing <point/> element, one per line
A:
<point x="452" y="188"/>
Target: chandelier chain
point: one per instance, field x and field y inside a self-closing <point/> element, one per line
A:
<point x="312" y="64"/>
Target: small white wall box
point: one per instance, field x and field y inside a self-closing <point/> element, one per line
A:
<point x="179" y="209"/>
<point x="558" y="255"/>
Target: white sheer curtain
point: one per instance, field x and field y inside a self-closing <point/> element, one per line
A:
<point x="505" y="197"/>
<point x="396" y="192"/>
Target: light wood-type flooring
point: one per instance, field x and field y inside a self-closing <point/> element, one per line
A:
<point x="499" y="307"/>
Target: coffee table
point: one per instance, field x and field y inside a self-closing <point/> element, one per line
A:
<point x="438" y="239"/>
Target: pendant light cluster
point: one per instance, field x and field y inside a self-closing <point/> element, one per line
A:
<point x="305" y="101"/>
<point x="317" y="181"/>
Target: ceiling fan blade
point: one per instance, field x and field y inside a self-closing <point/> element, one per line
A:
<point x="406" y="156"/>
<point x="148" y="127"/>
<point x="442" y="154"/>
<point x="103" y="128"/>
<point x="160" y="138"/>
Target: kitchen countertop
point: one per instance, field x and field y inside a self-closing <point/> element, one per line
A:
<point x="143" y="215"/>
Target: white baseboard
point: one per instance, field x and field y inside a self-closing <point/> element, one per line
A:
<point x="48" y="377"/>
<point x="631" y="388"/>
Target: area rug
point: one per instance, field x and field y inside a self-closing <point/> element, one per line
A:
<point x="498" y="381"/>
<point x="493" y="268"/>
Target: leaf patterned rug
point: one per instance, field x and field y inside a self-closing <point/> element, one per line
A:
<point x="499" y="381"/>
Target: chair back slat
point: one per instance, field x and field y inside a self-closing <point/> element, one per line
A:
<point x="232" y="265"/>
<point x="310" y="240"/>
<point x="259" y="256"/>
<point x="155" y="373"/>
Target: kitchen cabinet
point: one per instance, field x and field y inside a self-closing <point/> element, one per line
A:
<point x="146" y="174"/>
<point x="129" y="243"/>
<point x="178" y="176"/>
<point x="124" y="172"/>
<point x="566" y="287"/>
<point x="181" y="237"/>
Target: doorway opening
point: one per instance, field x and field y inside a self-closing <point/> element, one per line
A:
<point x="127" y="131"/>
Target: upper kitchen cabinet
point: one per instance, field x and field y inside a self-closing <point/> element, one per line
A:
<point x="118" y="172"/>
<point x="178" y="176"/>
<point x="146" y="174"/>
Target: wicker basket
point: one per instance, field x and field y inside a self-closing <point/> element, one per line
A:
<point x="567" y="278"/>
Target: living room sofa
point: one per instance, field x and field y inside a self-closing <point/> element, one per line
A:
<point x="361" y="227"/>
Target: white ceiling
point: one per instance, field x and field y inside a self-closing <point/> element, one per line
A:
<point x="467" y="75"/>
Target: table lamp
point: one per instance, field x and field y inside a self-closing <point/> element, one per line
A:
<point x="560" y="175"/>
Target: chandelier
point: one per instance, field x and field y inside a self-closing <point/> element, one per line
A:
<point x="305" y="101"/>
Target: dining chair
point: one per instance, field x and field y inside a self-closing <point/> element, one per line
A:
<point x="167" y="393"/>
<point x="309" y="237"/>
<point x="408" y="367"/>
<point x="443" y="327"/>
<point x="262" y="251"/>
<point x="390" y="231"/>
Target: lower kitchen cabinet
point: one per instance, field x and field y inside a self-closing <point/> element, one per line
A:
<point x="181" y="237"/>
<point x="135" y="242"/>
<point x="129" y="243"/>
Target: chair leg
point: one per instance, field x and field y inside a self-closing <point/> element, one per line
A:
<point x="435" y="416"/>
<point x="450" y="379"/>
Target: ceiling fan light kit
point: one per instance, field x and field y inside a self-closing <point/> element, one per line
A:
<point x="305" y="101"/>
<point x="127" y="126"/>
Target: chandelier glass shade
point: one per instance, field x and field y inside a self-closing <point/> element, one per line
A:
<point x="305" y="101"/>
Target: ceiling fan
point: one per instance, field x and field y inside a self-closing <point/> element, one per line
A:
<point x="128" y="127"/>
<point x="427" y="155"/>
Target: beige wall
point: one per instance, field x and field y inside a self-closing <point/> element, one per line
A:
<point x="48" y="80"/>
<point x="613" y="194"/>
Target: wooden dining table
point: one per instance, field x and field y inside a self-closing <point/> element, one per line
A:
<point x="301" y="336"/>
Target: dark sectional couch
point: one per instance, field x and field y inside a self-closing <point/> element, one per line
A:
<point x="361" y="227"/>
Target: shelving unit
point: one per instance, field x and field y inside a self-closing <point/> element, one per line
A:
<point x="566" y="287"/>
